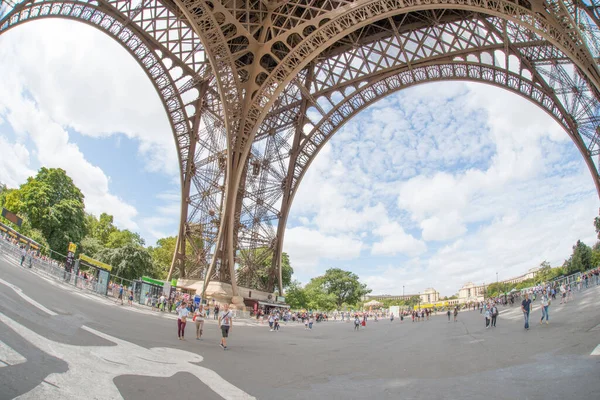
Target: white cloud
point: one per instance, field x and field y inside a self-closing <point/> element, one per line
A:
<point x="395" y="241"/>
<point x="14" y="163"/>
<point x="47" y="90"/>
<point x="486" y="178"/>
<point x="443" y="227"/>
<point x="307" y="247"/>
<point x="97" y="89"/>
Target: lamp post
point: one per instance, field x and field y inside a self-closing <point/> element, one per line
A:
<point x="403" y="291"/>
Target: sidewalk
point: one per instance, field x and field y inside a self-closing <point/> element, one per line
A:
<point x="14" y="260"/>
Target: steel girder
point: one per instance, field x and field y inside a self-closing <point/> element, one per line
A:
<point x="288" y="74"/>
<point x="173" y="57"/>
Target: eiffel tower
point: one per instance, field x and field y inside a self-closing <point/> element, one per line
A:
<point x="253" y="89"/>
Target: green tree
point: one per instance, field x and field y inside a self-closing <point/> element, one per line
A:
<point x="129" y="262"/>
<point x="581" y="260"/>
<point x="413" y="301"/>
<point x="123" y="238"/>
<point x="344" y="285"/>
<point x="51" y="203"/>
<point x="597" y="226"/>
<point x="162" y="255"/>
<point x="90" y="246"/>
<point x="295" y="296"/>
<point x="317" y="296"/>
<point x="100" y="228"/>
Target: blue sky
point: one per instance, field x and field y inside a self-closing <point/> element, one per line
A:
<point x="431" y="187"/>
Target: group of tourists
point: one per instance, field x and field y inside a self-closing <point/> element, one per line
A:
<point x="199" y="315"/>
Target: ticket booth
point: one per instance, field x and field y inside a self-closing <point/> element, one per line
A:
<point x="150" y="288"/>
<point x="100" y="270"/>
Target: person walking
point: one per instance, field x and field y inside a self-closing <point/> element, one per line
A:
<point x="356" y="322"/>
<point x="130" y="298"/>
<point x="526" y="308"/>
<point x="182" y="314"/>
<point x="121" y="290"/>
<point x="487" y="318"/>
<point x="199" y="316"/>
<point x="449" y="313"/>
<point x="545" y="306"/>
<point x="455" y="313"/>
<point x="226" y="323"/>
<point x="494" y="312"/>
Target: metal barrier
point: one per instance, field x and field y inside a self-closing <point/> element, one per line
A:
<point x="52" y="269"/>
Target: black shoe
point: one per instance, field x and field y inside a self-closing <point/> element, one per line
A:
<point x="223" y="347"/>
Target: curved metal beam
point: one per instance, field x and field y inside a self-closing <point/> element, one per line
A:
<point x="151" y="54"/>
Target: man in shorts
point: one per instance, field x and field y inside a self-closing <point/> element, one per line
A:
<point x="226" y="323"/>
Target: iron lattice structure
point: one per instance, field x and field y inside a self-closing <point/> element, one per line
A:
<point x="254" y="88"/>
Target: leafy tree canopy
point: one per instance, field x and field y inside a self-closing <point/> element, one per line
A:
<point x="344" y="285"/>
<point x="129" y="262"/>
<point x="52" y="204"/>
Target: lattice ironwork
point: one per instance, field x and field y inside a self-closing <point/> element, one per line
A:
<point x="275" y="80"/>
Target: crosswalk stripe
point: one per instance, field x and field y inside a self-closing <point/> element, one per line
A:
<point x="8" y="356"/>
<point x="596" y="351"/>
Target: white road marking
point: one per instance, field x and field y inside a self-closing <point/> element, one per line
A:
<point x="92" y="369"/>
<point x="27" y="298"/>
<point x="8" y="356"/>
<point x="596" y="351"/>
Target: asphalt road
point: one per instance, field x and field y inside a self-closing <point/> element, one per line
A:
<point x="98" y="350"/>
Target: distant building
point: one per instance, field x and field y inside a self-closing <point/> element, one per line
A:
<point x="471" y="293"/>
<point x="429" y="296"/>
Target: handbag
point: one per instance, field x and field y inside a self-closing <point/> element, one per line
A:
<point x="194" y="319"/>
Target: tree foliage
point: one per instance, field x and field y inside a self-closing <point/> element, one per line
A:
<point x="52" y="204"/>
<point x="129" y="262"/>
<point x="581" y="259"/>
<point x="295" y="296"/>
<point x="344" y="285"/>
<point x="90" y="246"/>
<point x="162" y="255"/>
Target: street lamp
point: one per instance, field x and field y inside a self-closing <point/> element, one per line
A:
<point x="402" y="290"/>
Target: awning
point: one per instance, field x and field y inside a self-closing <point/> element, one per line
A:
<point x="263" y="303"/>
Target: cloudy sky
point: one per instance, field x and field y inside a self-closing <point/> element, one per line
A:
<point x="432" y="187"/>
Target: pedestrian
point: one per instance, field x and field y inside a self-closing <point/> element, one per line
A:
<point x="216" y="312"/>
<point x="356" y="322"/>
<point x="449" y="312"/>
<point x="545" y="306"/>
<point x="455" y="314"/>
<point x="311" y="321"/>
<point x="487" y="318"/>
<point x="199" y="316"/>
<point x="271" y="322"/>
<point x="182" y="314"/>
<point x="23" y="254"/>
<point x="494" y="312"/>
<point x="120" y="295"/>
<point x="392" y="317"/>
<point x="130" y="299"/>
<point x="526" y="308"/>
<point x="226" y="323"/>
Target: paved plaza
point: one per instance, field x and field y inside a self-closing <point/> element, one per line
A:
<point x="62" y="344"/>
